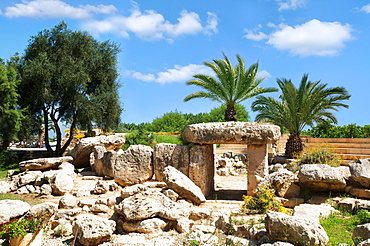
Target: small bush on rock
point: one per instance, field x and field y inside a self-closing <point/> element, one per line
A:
<point x="320" y="155"/>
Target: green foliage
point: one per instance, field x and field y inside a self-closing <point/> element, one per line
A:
<point x="136" y="137"/>
<point x="169" y="122"/>
<point x="231" y="85"/>
<point x="320" y="155"/>
<point x="327" y="130"/>
<point x="7" y="160"/>
<point x="310" y="103"/>
<point x="169" y="138"/>
<point x="10" y="116"/>
<point x="69" y="76"/>
<point x="218" y="114"/>
<point x="263" y="201"/>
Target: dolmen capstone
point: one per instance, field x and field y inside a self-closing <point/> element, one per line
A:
<point x="256" y="136"/>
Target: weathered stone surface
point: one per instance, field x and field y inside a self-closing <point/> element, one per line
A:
<point x="362" y="193"/>
<point x="363" y="243"/>
<point x="153" y="225"/>
<point x="202" y="169"/>
<point x="43" y="163"/>
<point x="282" y="182"/>
<point x="361" y="233"/>
<point x="313" y="212"/>
<point x="148" y="204"/>
<point x="104" y="161"/>
<point x="45" y="190"/>
<point x="67" y="167"/>
<point x="45" y="208"/>
<point x="258" y="166"/>
<point x="5" y="187"/>
<point x="134" y="166"/>
<point x="81" y="152"/>
<point x="67" y="201"/>
<point x="132" y="190"/>
<point x="92" y="229"/>
<point x="295" y="230"/>
<point x="99" y="208"/>
<point x="182" y="185"/>
<point x="290" y="202"/>
<point x="67" y="214"/>
<point x="166" y="154"/>
<point x="203" y="238"/>
<point x="231" y="132"/>
<point x="171" y="194"/>
<point x="322" y="177"/>
<point x="101" y="187"/>
<point x="61" y="183"/>
<point x="28" y="177"/>
<point x="11" y="209"/>
<point x="360" y="171"/>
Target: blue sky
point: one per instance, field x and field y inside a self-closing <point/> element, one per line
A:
<point x="165" y="42"/>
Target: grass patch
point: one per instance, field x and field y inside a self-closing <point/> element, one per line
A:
<point x="169" y="138"/>
<point x="339" y="227"/>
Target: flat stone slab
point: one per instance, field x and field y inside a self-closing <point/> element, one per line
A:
<point x="231" y="132"/>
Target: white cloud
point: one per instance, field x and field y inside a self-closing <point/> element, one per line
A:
<point x="264" y="74"/>
<point x="255" y="34"/>
<point x="176" y="74"/>
<point x="55" y="9"/>
<point x="311" y="38"/>
<point x="291" y="4"/>
<point x="366" y="8"/>
<point x="150" y="25"/>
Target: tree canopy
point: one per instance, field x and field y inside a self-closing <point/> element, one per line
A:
<point x="310" y="103"/>
<point x="232" y="85"/>
<point x="67" y="76"/>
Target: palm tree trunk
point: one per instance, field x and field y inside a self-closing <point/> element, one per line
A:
<point x="293" y="146"/>
<point x="230" y="113"/>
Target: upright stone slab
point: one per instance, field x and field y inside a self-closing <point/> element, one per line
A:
<point x="255" y="136"/>
<point x="202" y="169"/>
<point x="166" y="154"/>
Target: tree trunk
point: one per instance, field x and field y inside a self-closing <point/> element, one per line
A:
<point x="230" y="113"/>
<point x="293" y="147"/>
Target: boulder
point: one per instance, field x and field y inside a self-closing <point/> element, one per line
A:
<point x="182" y="185"/>
<point x="45" y="208"/>
<point x="231" y="132"/>
<point x="149" y="204"/>
<point x="322" y="177"/>
<point x="93" y="230"/>
<point x="28" y="177"/>
<point x="313" y="212"/>
<point x="104" y="161"/>
<point x="166" y="154"/>
<point x="360" y="172"/>
<point x="44" y="163"/>
<point x="5" y="187"/>
<point x="10" y="209"/>
<point x="101" y="187"/>
<point x="81" y="152"/>
<point x="67" y="201"/>
<point x="364" y="243"/>
<point x="60" y="182"/>
<point x="134" y="166"/>
<point x="282" y="181"/>
<point x="358" y="192"/>
<point x="361" y="233"/>
<point x="132" y="190"/>
<point x="294" y="229"/>
<point x="153" y="225"/>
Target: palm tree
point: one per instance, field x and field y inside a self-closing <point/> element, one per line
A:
<point x="300" y="107"/>
<point x="231" y="85"/>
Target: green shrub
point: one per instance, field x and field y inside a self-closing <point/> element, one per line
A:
<point x="319" y="155"/>
<point x="165" y="138"/>
<point x="139" y="137"/>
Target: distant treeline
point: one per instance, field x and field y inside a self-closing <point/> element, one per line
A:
<point x="177" y="121"/>
<point x="331" y="131"/>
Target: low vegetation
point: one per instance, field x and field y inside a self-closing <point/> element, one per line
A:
<point x="319" y="155"/>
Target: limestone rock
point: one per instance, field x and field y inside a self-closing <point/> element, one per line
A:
<point x="182" y="185"/>
<point x="166" y="154"/>
<point x="61" y="183"/>
<point x="361" y="233"/>
<point x="322" y="177"/>
<point x="67" y="167"/>
<point x="203" y="238"/>
<point x="45" y="208"/>
<point x="5" y="187"/>
<point x="104" y="161"/>
<point x="46" y="190"/>
<point x="99" y="208"/>
<point x="153" y="225"/>
<point x="28" y="177"/>
<point x="81" y="152"/>
<point x="11" y="209"/>
<point x="231" y="132"/>
<point x="313" y="212"/>
<point x="360" y="171"/>
<point x="282" y="182"/>
<point x="295" y="230"/>
<point x="92" y="229"/>
<point x="67" y="214"/>
<point x="170" y="194"/>
<point x="101" y="187"/>
<point x="358" y="192"/>
<point x="149" y="204"/>
<point x="363" y="243"/>
<point x="43" y="163"/>
<point x="134" y="166"/>
<point x="132" y="190"/>
<point x="67" y="201"/>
